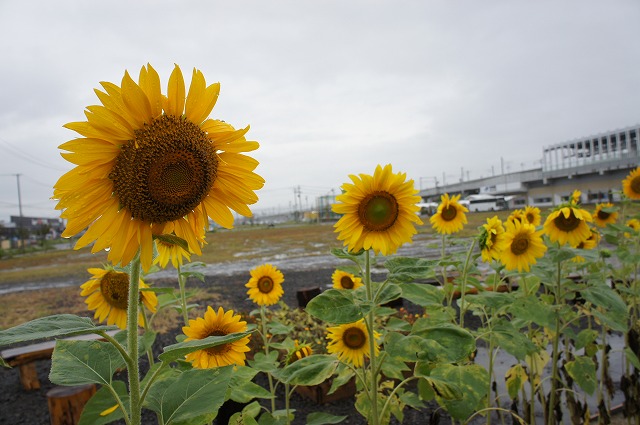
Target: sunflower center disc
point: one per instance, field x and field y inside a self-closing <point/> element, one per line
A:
<point x="449" y="213"/>
<point x="378" y="211"/>
<point x="354" y="338"/>
<point x="114" y="287"/>
<point x="603" y="215"/>
<point x="265" y="284"/>
<point x="520" y="244"/>
<point x="346" y="282"/>
<point x="635" y="185"/>
<point x="222" y="348"/>
<point x="566" y="224"/>
<point x="530" y="218"/>
<point x="166" y="171"/>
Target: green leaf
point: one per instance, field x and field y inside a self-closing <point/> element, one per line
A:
<point x="423" y="294"/>
<point x="613" y="311"/>
<point x="444" y="343"/>
<point x="512" y="340"/>
<point x="583" y="371"/>
<point x="404" y="347"/>
<point x="631" y="356"/>
<point x="345" y="374"/>
<point x="531" y="309"/>
<point x="311" y="370"/>
<point x="394" y="368"/>
<point x="241" y="389"/>
<point x="59" y="325"/>
<point x="473" y="382"/>
<point x="265" y="363"/>
<point x="495" y="300"/>
<point x="102" y="400"/>
<point x="183" y="397"/>
<point x="344" y="254"/>
<point x="76" y="362"/>
<point x="515" y="378"/>
<point x="335" y="306"/>
<point x="585" y="337"/>
<point x="171" y="239"/>
<point x="179" y="350"/>
<point x="320" y="418"/>
<point x="277" y="328"/>
<point x="407" y="269"/>
<point x="395" y="324"/>
<point x="145" y="342"/>
<point x="437" y="387"/>
<point x="389" y="293"/>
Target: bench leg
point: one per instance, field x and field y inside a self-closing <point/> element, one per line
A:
<point x="29" y="376"/>
<point x="66" y="403"/>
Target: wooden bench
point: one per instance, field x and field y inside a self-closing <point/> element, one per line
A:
<point x="25" y="357"/>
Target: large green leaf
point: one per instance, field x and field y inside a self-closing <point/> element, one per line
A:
<point x="512" y="340"/>
<point x="423" y="294"/>
<point x="389" y="293"/>
<point x="241" y="387"/>
<point x="531" y="309"/>
<point x="82" y="362"/>
<point x="59" y="325"/>
<point x="444" y="343"/>
<point x="515" y="378"/>
<point x="193" y="396"/>
<point x="612" y="308"/>
<point x="103" y="400"/>
<point x="179" y="350"/>
<point x="583" y="371"/>
<point x="310" y="370"/>
<point x="473" y="382"/>
<point x="335" y="306"/>
<point x="407" y="269"/>
<point x="320" y="418"/>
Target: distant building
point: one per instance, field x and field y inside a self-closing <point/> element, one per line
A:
<point x="19" y="228"/>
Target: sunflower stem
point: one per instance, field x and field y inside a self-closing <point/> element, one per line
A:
<point x="373" y="392"/>
<point x="555" y="354"/>
<point x="183" y="297"/>
<point x="133" y="367"/>
<point x="265" y="339"/>
<point x="463" y="284"/>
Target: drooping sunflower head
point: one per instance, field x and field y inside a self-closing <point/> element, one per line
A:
<point x="568" y="224"/>
<point x="379" y="211"/>
<point x="523" y="245"/>
<point x="517" y="215"/>
<point x="173" y="252"/>
<point x="590" y="243"/>
<point x="150" y="163"/>
<point x="450" y="216"/>
<point x="345" y="280"/>
<point x="351" y="342"/>
<point x="218" y="323"/>
<point x="604" y="214"/>
<point x="299" y="351"/>
<point x="107" y="293"/>
<point x="265" y="285"/>
<point x="532" y="215"/>
<point x="491" y="240"/>
<point x="631" y="185"/>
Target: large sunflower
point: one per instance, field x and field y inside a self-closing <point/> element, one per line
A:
<point x="217" y="324"/>
<point x="590" y="243"/>
<point x="634" y="224"/>
<point x="523" y="244"/>
<point x="532" y="215"/>
<point x="568" y="224"/>
<point x="379" y="211"/>
<point x="150" y="164"/>
<point x="605" y="214"/>
<point x="345" y="280"/>
<point x="107" y="293"/>
<point x="265" y="285"/>
<point x="450" y="217"/>
<point x="492" y="239"/>
<point x="631" y="184"/>
<point x="351" y="342"/>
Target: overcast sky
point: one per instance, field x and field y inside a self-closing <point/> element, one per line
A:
<point x="330" y="88"/>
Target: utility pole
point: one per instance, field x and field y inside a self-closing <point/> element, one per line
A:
<point x="20" y="228"/>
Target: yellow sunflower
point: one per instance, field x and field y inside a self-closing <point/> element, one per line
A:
<point x="217" y="324"/>
<point x="351" y="342"/>
<point x="450" y="217"/>
<point x="379" y="211"/>
<point x="492" y="239"/>
<point x="590" y="243"/>
<point x="107" y="293"/>
<point x="345" y="280"/>
<point x="532" y="215"/>
<point x="265" y="285"/>
<point x="170" y="252"/>
<point x="568" y="224"/>
<point x="150" y="164"/>
<point x="576" y="197"/>
<point x="517" y="215"/>
<point x="605" y="214"/>
<point x="299" y="351"/>
<point x="523" y="245"/>
<point x="631" y="184"/>
<point x="634" y="223"/>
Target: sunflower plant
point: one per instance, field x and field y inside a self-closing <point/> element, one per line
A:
<point x="148" y="166"/>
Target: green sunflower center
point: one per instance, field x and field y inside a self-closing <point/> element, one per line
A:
<point x="520" y="244"/>
<point x="166" y="171"/>
<point x="346" y="282"/>
<point x="530" y="218"/>
<point x="378" y="211"/>
<point x="265" y="284"/>
<point x="567" y="224"/>
<point x="354" y="338"/>
<point x="114" y="287"/>
<point x="449" y="213"/>
<point x="602" y="215"/>
<point x="222" y="348"/>
<point x="635" y="184"/>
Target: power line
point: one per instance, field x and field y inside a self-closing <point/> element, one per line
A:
<point x="20" y="154"/>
